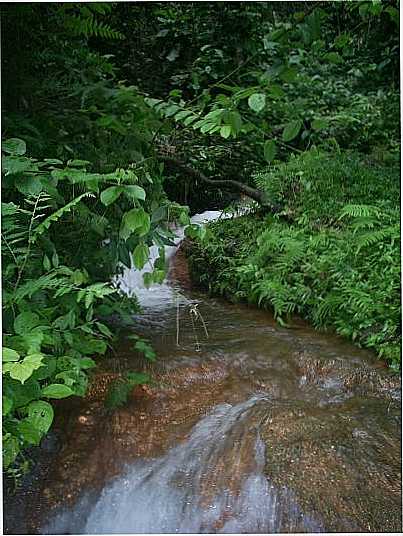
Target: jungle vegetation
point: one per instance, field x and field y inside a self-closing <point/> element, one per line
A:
<point x="121" y="118"/>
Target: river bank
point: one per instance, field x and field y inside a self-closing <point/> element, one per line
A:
<point x="293" y="269"/>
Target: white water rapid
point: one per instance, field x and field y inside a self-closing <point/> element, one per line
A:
<point x="213" y="482"/>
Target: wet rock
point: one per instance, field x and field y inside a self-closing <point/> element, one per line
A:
<point x="351" y="377"/>
<point x="338" y="470"/>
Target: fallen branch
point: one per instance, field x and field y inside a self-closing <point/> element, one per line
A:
<point x="257" y="195"/>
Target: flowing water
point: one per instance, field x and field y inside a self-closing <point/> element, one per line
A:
<point x="247" y="428"/>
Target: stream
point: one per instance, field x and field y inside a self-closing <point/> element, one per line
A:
<point x="248" y="427"/>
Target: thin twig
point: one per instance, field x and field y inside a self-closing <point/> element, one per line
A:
<point x="177" y="320"/>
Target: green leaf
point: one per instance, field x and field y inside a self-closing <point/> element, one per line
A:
<point x="225" y="131"/>
<point x="146" y="349"/>
<point x="10" y="355"/>
<point x="135" y="192"/>
<point x="32" y="341"/>
<point x="235" y="120"/>
<point x="135" y="220"/>
<point x="41" y="415"/>
<point x="29" y="433"/>
<point x="291" y="130"/>
<point x="53" y="161"/>
<point x="35" y="360"/>
<point x="342" y="40"/>
<point x="152" y="102"/>
<point x="9" y="209"/>
<point x="14" y="146"/>
<point x="10" y="450"/>
<point x="257" y="102"/>
<point x="21" y="394"/>
<point x="47" y="369"/>
<point x="55" y="259"/>
<point x="88" y="345"/>
<point x="393" y="13"/>
<point x="57" y="390"/>
<point x="148" y="279"/>
<point x="46" y="263"/>
<point x="78" y="277"/>
<point x="183" y="114"/>
<point x="159" y="276"/>
<point x="7" y="405"/>
<point x="104" y="329"/>
<point x="78" y="163"/>
<point x="138" y="378"/>
<point x="86" y="363"/>
<point x="15" y="165"/>
<point x="191" y="119"/>
<point x="276" y="91"/>
<point x="184" y="218"/>
<point x="25" y="322"/>
<point x="206" y="127"/>
<point x="288" y="75"/>
<point x="171" y="110"/>
<point x="270" y="150"/>
<point x="319" y="123"/>
<point x="29" y="185"/>
<point x="22" y="370"/>
<point x="140" y="255"/>
<point x="110" y="195"/>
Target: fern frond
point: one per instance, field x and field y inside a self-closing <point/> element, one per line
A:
<point x="89" y="26"/>
<point x="327" y="307"/>
<point x="42" y="227"/>
<point x="360" y="211"/>
<point x="371" y="238"/>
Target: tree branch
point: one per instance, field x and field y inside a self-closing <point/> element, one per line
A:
<point x="253" y="193"/>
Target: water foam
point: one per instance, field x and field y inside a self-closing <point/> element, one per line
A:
<point x="214" y="482"/>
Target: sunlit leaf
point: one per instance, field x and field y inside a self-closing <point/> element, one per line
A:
<point x="14" y="146"/>
<point x="57" y="390"/>
<point x="140" y="255"/>
<point x="257" y="102"/>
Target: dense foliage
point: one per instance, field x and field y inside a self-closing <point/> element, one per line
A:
<point x="297" y="100"/>
<point x="80" y="195"/>
<point x="330" y="256"/>
<point x="65" y="232"/>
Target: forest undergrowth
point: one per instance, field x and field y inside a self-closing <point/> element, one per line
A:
<point x="332" y="255"/>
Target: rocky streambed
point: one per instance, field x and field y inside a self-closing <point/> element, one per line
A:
<point x="246" y="427"/>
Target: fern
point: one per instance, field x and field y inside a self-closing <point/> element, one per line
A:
<point x="90" y="26"/>
<point x="94" y="292"/>
<point x="369" y="239"/>
<point x="326" y="309"/>
<point x="360" y="211"/>
<point x="56" y="216"/>
<point x="293" y="251"/>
